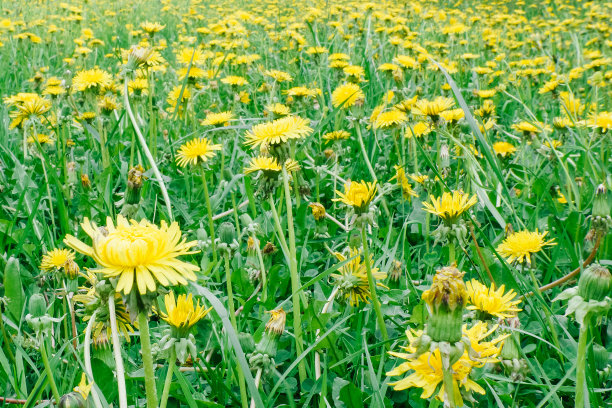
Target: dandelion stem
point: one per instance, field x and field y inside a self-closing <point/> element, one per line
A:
<point x="324" y="310"/>
<point x="117" y="353"/>
<point x="211" y="224"/>
<point x="295" y="279"/>
<point x="45" y="359"/>
<point x="581" y="384"/>
<point x="372" y="285"/>
<point x="169" y="375"/>
<point x="87" y="357"/>
<point x="451" y="253"/>
<point x="147" y="360"/>
<point x="145" y="148"/>
<point x="232" y="313"/>
<point x="447" y="380"/>
<point x="257" y="381"/>
<point x="364" y="153"/>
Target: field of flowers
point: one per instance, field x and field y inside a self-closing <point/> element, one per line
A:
<point x="282" y="203"/>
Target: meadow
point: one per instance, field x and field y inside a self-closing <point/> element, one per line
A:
<point x="281" y="203"/>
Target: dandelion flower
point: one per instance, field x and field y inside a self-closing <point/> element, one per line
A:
<point x="196" y="151"/>
<point x="139" y="254"/>
<point x="493" y="302"/>
<point x="91" y="79"/>
<point x="352" y="279"/>
<point x="504" y="149"/>
<point x="450" y="206"/>
<point x="218" y="119"/>
<point x="601" y="121"/>
<point x="434" y="108"/>
<point x="347" y="95"/>
<point x="181" y="313"/>
<point x="419" y="129"/>
<point x="336" y="135"/>
<point x="390" y="119"/>
<point x="519" y="246"/>
<point x="277" y="132"/>
<point x="357" y="194"/>
<point x="56" y="258"/>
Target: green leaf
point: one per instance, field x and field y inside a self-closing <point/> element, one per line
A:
<point x="13" y="290"/>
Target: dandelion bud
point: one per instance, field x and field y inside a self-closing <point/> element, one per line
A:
<point x="37" y="305"/>
<point x="318" y="211"/>
<point x="595" y="283"/>
<point x="601" y="204"/>
<point x="134" y="185"/>
<point x="71" y="269"/>
<point x="276" y="324"/>
<point x="444" y="156"/>
<point x="446" y="301"/>
<point x="138" y="56"/>
<point x="72" y="400"/>
<point x="396" y="270"/>
<point x="269" y="248"/>
<point x="227" y="233"/>
<point x="85" y="182"/>
<point x="329" y="153"/>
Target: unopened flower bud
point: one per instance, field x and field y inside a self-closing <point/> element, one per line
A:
<point x="134" y="185"/>
<point x="227" y="233"/>
<point x="601" y="204"/>
<point x="72" y="400"/>
<point x="37" y="305"/>
<point x="595" y="283"/>
<point x="318" y="211"/>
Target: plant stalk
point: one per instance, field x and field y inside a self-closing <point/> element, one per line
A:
<point x="147" y="360"/>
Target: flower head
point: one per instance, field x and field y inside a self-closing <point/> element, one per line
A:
<point x="181" y="313"/>
<point x="218" y="119"/>
<point x="94" y="79"/>
<point x="56" y="259"/>
<point x="493" y="302"/>
<point x="390" y="119"/>
<point x="318" y="211"/>
<point x="433" y="108"/>
<point x="504" y="149"/>
<point x="450" y="206"/>
<point x="601" y="121"/>
<point x="196" y="151"/>
<point x="276" y="324"/>
<point x="352" y="279"/>
<point x="519" y="246"/>
<point x="277" y="132"/>
<point x="336" y="135"/>
<point x="357" y="194"/>
<point x="347" y="95"/>
<point x="139" y="254"/>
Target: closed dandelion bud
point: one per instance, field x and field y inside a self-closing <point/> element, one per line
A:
<point x="354" y="240"/>
<point x="446" y="301"/>
<point x="85" y="182"/>
<point x="318" y="211"/>
<point x="246" y="342"/>
<point x="37" y="305"/>
<point x="72" y="400"/>
<point x="595" y="283"/>
<point x="134" y="185"/>
<point x="601" y="205"/>
<point x="274" y="329"/>
<point x="269" y="248"/>
<point x="444" y="156"/>
<point x="329" y="153"/>
<point x="227" y="233"/>
<point x="71" y="269"/>
<point x="396" y="270"/>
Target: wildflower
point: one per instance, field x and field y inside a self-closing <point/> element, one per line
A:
<point x="433" y="108"/>
<point x="419" y="129"/>
<point x="278" y="109"/>
<point x="504" y="149"/>
<point x="601" y="121"/>
<point x="277" y="132"/>
<point x="450" y="206"/>
<point x="196" y="151"/>
<point x="390" y="119"/>
<point x="91" y="79"/>
<point x="402" y="180"/>
<point x="357" y="195"/>
<point x="490" y="301"/>
<point x="278" y="76"/>
<point x="181" y="313"/>
<point x="520" y="246"/>
<point x="453" y="115"/>
<point x="336" y="135"/>
<point x="352" y="279"/>
<point x="42" y="139"/>
<point x="318" y="211"/>
<point x="347" y="95"/>
<point x="137" y="253"/>
<point x="218" y="119"/>
<point x="56" y="259"/>
<point x="276" y="324"/>
<point x="234" y="80"/>
<point x="152" y="28"/>
<point x="27" y="109"/>
<point x="263" y="163"/>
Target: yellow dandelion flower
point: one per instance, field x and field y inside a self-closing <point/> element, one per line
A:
<point x="402" y="181"/>
<point x="196" y="151"/>
<point x="56" y="259"/>
<point x="263" y="163"/>
<point x="493" y="302"/>
<point x="389" y="119"/>
<point x="432" y="108"/>
<point x="91" y="79"/>
<point x="336" y="135"/>
<point x="453" y="115"/>
<point x="504" y="149"/>
<point x="419" y="129"/>
<point x="278" y="76"/>
<point x="218" y="119"/>
<point x="139" y="254"/>
<point x="450" y="206"/>
<point x="277" y="132"/>
<point x="42" y="139"/>
<point x="234" y="80"/>
<point x="601" y="121"/>
<point x="347" y="95"/>
<point x="519" y="246"/>
<point x="357" y="194"/>
<point x="318" y="211"/>
<point x="181" y="313"/>
<point x="278" y="109"/>
<point x="151" y="28"/>
<point x="352" y="278"/>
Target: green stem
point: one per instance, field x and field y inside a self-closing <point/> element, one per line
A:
<point x="232" y="313"/>
<point x="45" y="359"/>
<point x="117" y="352"/>
<point x="451" y="252"/>
<point x="581" y="384"/>
<point x="447" y="380"/>
<point x="147" y="360"/>
<point x="364" y="153"/>
<point x="211" y="224"/>
<point x="372" y="285"/>
<point x="295" y="279"/>
<point x="168" y="382"/>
